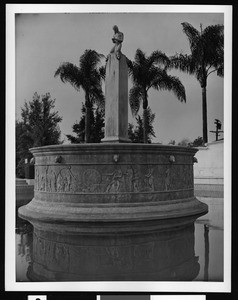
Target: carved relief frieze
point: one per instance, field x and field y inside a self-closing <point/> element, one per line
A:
<point x="41" y="178"/>
<point x="110" y="179"/>
<point x="131" y="180"/>
<point x="149" y="180"/>
<point x="52" y="181"/>
<point x="115" y="182"/>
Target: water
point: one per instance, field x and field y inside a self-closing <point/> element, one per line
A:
<point x="184" y="252"/>
<point x="212" y="238"/>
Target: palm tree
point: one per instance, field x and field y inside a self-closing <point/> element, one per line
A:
<point x="151" y="72"/>
<point x="88" y="77"/>
<point x="136" y="134"/>
<point x="207" y="56"/>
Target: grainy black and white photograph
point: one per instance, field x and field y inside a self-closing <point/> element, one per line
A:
<point x="121" y="132"/>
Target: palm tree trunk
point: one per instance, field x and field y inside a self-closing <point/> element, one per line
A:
<point x="87" y="119"/>
<point x="145" y="139"/>
<point x="145" y="105"/>
<point x="204" y="114"/>
<point x="87" y="125"/>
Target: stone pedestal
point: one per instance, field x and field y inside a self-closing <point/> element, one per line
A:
<point x="116" y="106"/>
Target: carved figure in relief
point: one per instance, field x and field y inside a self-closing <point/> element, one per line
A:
<point x="67" y="178"/>
<point x="129" y="174"/>
<point x="59" y="183"/>
<point x="138" y="184"/>
<point x="167" y="179"/>
<point x="67" y="183"/>
<point x="77" y="184"/>
<point x="114" y="185"/>
<point x="52" y="182"/>
<point x="136" y="181"/>
<point x="42" y="182"/>
<point x="63" y="181"/>
<point x="149" y="180"/>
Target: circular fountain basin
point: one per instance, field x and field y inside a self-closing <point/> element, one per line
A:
<point x="112" y="183"/>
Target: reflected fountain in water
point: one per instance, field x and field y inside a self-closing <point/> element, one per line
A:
<point x="24" y="248"/>
<point x="152" y="250"/>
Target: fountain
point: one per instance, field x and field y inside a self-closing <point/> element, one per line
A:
<point x="83" y="188"/>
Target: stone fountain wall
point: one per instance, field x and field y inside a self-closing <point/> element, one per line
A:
<point x="112" y="182"/>
<point x="129" y="174"/>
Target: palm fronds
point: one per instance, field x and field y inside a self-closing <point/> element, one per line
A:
<point x="192" y="33"/>
<point x="68" y="72"/>
<point x="135" y="99"/>
<point x="207" y="56"/>
<point x="88" y="77"/>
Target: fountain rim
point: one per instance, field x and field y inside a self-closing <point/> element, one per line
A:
<point x="124" y="147"/>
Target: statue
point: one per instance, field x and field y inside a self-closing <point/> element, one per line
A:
<point x="117" y="40"/>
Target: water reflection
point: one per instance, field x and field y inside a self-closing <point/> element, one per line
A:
<point x="184" y="249"/>
<point x="23" y="249"/>
<point x="206" y="239"/>
<point x="209" y="242"/>
<point x="158" y="251"/>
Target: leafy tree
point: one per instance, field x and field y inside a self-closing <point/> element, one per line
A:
<point x="198" y="142"/>
<point x="23" y="143"/>
<point x="207" y="56"/>
<point x="38" y="127"/>
<point x="150" y="72"/>
<point x="137" y="135"/>
<point x="185" y="142"/>
<point x="88" y="77"/>
<point x="96" y="127"/>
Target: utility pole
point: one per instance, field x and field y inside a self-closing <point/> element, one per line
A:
<point x="218" y="127"/>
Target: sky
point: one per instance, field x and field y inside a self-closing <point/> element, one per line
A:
<point x="45" y="40"/>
